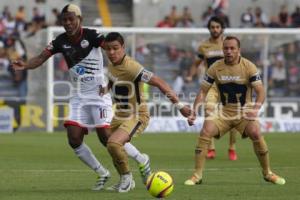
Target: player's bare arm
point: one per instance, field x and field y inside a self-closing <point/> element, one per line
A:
<point x="31" y="63"/>
<point x="166" y="90"/>
<point x="198" y="102"/>
<point x="260" y="98"/>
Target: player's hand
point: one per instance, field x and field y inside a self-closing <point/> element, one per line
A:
<point x="102" y="90"/>
<point x="192" y="118"/>
<point x="18" y="65"/>
<point x="251" y="114"/>
<point x="185" y="111"/>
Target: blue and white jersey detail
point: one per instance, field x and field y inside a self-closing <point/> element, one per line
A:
<point x="87" y="75"/>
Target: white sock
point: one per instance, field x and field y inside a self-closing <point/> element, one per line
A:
<point x="85" y="154"/>
<point x="134" y="153"/>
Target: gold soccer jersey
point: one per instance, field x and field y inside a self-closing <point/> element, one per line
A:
<point x="210" y="52"/>
<point x="127" y="87"/>
<point x="234" y="82"/>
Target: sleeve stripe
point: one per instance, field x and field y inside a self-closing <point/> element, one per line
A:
<point x="139" y="75"/>
<point x="254" y="78"/>
<point x="200" y="56"/>
<point x="209" y="79"/>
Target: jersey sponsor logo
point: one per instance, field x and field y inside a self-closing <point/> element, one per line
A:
<point x="84" y="43"/>
<point x="230" y="78"/>
<point x="84" y="79"/>
<point x="215" y="53"/>
<point x="80" y="70"/>
<point x="66" y="46"/>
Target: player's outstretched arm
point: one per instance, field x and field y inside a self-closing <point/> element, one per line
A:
<point x="197" y="103"/>
<point x="31" y="63"/>
<point x="166" y="90"/>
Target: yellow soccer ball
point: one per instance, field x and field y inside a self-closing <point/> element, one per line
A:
<point x="160" y="184"/>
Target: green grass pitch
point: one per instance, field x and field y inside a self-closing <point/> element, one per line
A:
<point x="40" y="166"/>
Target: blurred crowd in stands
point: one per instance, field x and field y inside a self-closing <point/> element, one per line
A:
<point x="14" y="28"/>
<point x="168" y="59"/>
<point x="252" y="17"/>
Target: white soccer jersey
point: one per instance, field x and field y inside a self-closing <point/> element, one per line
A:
<point x="85" y="61"/>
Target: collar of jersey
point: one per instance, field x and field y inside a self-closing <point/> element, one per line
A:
<point x="123" y="59"/>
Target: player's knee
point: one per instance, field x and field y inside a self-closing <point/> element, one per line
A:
<point x="253" y="132"/>
<point x="74" y="142"/>
<point x="207" y="132"/>
<point x="113" y="147"/>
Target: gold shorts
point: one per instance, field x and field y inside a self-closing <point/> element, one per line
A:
<point x="225" y="121"/>
<point x="132" y="126"/>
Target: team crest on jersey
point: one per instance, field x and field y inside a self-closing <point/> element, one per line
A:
<point x="80" y="70"/>
<point x="84" y="43"/>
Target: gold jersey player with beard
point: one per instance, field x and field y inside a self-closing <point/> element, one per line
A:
<point x="209" y="52"/>
<point x="236" y="78"/>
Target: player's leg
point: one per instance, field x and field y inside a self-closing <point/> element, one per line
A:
<point x="209" y="130"/>
<point x="211" y="152"/>
<point x="232" y="140"/>
<point x="80" y="116"/>
<point x="260" y="147"/>
<point x="84" y="153"/>
<point x="115" y="147"/>
<point x="102" y="117"/>
<point x="142" y="159"/>
<point x="210" y="109"/>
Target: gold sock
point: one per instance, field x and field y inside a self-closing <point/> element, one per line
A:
<point x="211" y="144"/>
<point x="261" y="151"/>
<point x="200" y="155"/>
<point x="232" y="139"/>
<point x="119" y="157"/>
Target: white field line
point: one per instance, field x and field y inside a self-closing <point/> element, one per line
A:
<point x="134" y="170"/>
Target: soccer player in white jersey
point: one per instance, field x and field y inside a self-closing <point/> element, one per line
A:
<point x="81" y="50"/>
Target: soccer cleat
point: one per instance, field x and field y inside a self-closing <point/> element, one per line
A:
<point x="232" y="154"/>
<point x="101" y="180"/>
<point x="273" y="178"/>
<point x="211" y="154"/>
<point x="126" y="183"/>
<point x="113" y="187"/>
<point x="193" y="181"/>
<point x="145" y="169"/>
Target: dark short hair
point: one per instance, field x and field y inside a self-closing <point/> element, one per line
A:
<point x="217" y="20"/>
<point x="230" y="37"/>
<point x="114" y="36"/>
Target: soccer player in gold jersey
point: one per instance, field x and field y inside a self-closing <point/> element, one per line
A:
<point x="209" y="52"/>
<point x="126" y="80"/>
<point x="236" y="78"/>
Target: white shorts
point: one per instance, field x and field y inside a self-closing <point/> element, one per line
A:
<point x="89" y="114"/>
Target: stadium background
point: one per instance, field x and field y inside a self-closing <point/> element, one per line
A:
<point x="25" y="96"/>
